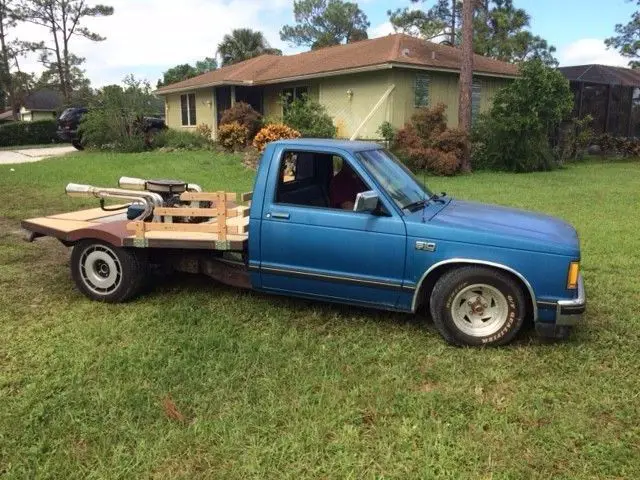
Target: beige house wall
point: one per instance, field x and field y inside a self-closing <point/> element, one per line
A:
<point x="350" y="98"/>
<point x="443" y="87"/>
<point x="34" y="116"/>
<point x="273" y="94"/>
<point x="205" y="109"/>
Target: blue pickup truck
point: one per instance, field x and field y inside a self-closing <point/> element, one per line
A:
<point x="341" y="222"/>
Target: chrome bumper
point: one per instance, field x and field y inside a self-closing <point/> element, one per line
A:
<point x="569" y="312"/>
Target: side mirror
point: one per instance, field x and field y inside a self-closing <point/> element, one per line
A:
<point x="366" y="201"/>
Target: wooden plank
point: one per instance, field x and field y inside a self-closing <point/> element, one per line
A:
<point x="199" y="212"/>
<point x="245" y="197"/>
<point x="238" y="212"/>
<point x="185" y="212"/>
<point x="221" y="201"/>
<point x="146" y="227"/>
<point x="195" y="236"/>
<point x="205" y="196"/>
<point x="173" y="227"/>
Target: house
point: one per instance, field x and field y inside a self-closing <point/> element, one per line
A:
<point x="41" y="105"/>
<point x="361" y="84"/>
<point x="6" y="115"/>
<point x="611" y="95"/>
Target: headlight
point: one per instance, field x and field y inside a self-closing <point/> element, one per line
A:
<point x="572" y="277"/>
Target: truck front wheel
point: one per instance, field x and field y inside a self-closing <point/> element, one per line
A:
<point x="106" y="273"/>
<point x="477" y="306"/>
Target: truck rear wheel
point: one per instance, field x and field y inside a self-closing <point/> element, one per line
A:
<point x="477" y="306"/>
<point x="106" y="273"/>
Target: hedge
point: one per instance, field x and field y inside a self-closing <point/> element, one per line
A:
<point x="28" y="133"/>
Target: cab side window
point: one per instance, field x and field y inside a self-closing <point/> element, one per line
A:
<point x="317" y="179"/>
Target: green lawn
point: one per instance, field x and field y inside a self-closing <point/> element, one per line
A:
<point x="196" y="380"/>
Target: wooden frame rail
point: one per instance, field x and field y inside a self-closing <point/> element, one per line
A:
<point x="225" y="219"/>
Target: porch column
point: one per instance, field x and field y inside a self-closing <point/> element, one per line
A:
<point x="214" y="113"/>
<point x="233" y="95"/>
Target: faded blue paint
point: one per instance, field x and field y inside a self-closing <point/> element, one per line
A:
<point x="363" y="259"/>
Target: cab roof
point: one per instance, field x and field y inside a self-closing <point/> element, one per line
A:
<point x="346" y="145"/>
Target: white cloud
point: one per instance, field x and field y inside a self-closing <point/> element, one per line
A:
<point x="148" y="36"/>
<point x="590" y="50"/>
<point x="381" y="30"/>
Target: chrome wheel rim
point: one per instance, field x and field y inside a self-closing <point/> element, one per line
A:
<point x="480" y="310"/>
<point x="100" y="269"/>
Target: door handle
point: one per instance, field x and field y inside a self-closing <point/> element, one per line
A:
<point x="280" y="215"/>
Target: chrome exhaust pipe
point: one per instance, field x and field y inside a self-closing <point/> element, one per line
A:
<point x="149" y="200"/>
<point x="132" y="183"/>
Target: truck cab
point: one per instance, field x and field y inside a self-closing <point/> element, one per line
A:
<point x="482" y="270"/>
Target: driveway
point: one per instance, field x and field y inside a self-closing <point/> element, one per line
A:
<point x="32" y="154"/>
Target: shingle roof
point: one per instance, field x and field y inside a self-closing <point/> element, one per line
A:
<point x="391" y="50"/>
<point x="47" y="100"/>
<point x="603" y="74"/>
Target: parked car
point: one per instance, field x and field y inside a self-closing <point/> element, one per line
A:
<point x="69" y="121"/>
<point x="481" y="270"/>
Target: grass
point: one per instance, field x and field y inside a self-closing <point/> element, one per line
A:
<point x="196" y="380"/>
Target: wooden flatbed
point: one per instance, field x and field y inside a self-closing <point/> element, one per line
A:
<point x="224" y="226"/>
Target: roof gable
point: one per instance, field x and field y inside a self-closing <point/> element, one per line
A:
<point x="392" y="50"/>
<point x="604" y="74"/>
<point x="46" y="100"/>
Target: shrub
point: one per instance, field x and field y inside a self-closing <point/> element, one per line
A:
<point x="273" y="132"/>
<point x="204" y="130"/>
<point x="309" y="118"/>
<point x="181" y="140"/>
<point x="515" y="134"/>
<point x="427" y="143"/>
<point x="574" y="137"/>
<point x="28" y="133"/>
<point x="245" y="115"/>
<point x="387" y="132"/>
<point x="623" y="146"/>
<point x="233" y="136"/>
<point x="116" y="118"/>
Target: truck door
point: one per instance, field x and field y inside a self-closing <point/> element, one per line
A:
<point x="312" y="249"/>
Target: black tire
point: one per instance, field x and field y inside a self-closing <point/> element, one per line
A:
<point x="106" y="273"/>
<point x="77" y="145"/>
<point x="489" y="307"/>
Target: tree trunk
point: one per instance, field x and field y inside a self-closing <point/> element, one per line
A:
<point x="5" y="78"/>
<point x="454" y="9"/>
<point x="466" y="78"/>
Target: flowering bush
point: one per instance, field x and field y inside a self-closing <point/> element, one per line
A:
<point x="273" y="132"/>
<point x="245" y="115"/>
<point x="233" y="136"/>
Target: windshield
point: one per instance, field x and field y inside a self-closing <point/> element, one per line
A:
<point x="402" y="185"/>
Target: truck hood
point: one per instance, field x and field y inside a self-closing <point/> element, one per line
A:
<point x="485" y="224"/>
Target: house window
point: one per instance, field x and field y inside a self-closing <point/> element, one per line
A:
<point x="475" y="99"/>
<point x="421" y="91"/>
<point x="188" y="106"/>
<point x="294" y="93"/>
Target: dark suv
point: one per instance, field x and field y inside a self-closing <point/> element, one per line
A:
<point x="69" y="121"/>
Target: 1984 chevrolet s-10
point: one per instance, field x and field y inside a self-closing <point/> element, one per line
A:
<point x="336" y="221"/>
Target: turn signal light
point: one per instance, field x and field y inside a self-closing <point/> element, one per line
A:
<point x="572" y="278"/>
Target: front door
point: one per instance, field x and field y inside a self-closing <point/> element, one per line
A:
<point x="310" y="249"/>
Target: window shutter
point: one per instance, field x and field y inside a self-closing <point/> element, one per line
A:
<point x="476" y="93"/>
<point x="421" y="90"/>
<point x="192" y="109"/>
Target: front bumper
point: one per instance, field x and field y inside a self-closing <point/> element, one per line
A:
<point x="567" y="314"/>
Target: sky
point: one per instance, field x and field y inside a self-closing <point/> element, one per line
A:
<point x="146" y="37"/>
